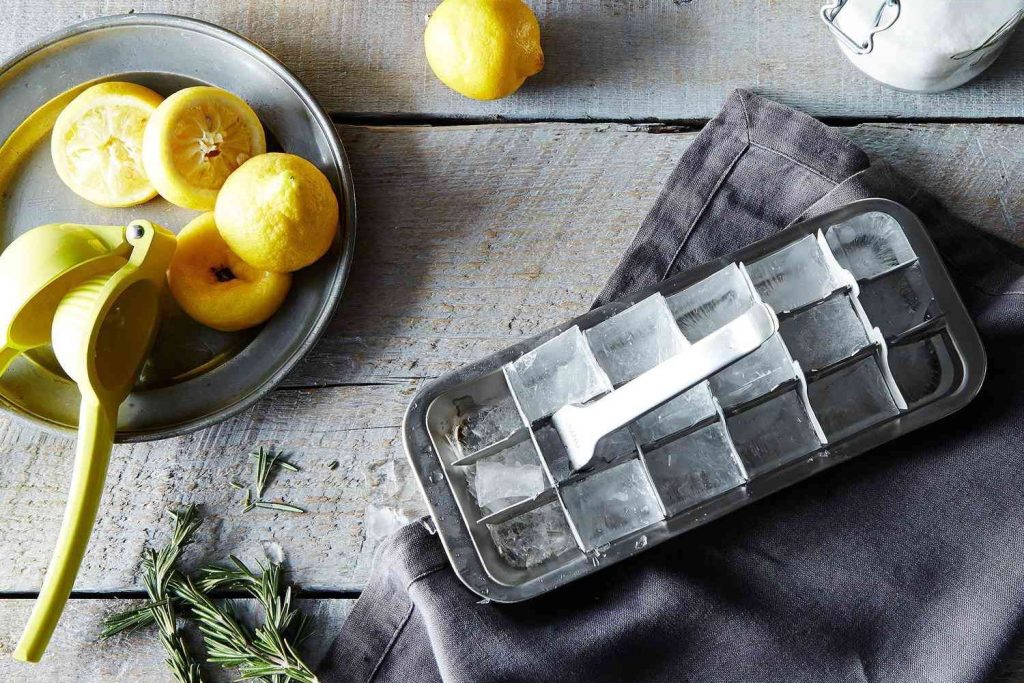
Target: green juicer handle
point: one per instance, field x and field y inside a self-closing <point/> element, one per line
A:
<point x="97" y="426"/>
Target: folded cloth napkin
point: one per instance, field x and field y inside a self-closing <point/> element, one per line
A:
<point x="904" y="564"/>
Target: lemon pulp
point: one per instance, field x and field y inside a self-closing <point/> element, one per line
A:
<point x="96" y="144"/>
<point x="195" y="140"/>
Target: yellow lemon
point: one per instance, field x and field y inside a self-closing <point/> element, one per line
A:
<point x="97" y="144"/>
<point x="217" y="288"/>
<point x="483" y="49"/>
<point x="195" y="140"/>
<point x="278" y="212"/>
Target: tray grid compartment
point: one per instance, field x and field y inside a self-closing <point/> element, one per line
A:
<point x="862" y="341"/>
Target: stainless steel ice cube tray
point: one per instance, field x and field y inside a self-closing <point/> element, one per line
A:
<point x="873" y="342"/>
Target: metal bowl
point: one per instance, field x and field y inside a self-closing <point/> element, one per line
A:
<point x="195" y="376"/>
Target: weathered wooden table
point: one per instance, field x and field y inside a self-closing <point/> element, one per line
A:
<point x="478" y="223"/>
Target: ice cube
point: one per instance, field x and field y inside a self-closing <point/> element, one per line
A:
<point x="795" y="275"/>
<point x="754" y="375"/>
<point x="611" y="504"/>
<point x="505" y="478"/>
<point x="851" y="399"/>
<point x="637" y="339"/>
<point x="924" y="370"/>
<point x="870" y="244"/>
<point x="559" y="372"/>
<point x="773" y="433"/>
<point x="704" y="306"/>
<point x="477" y="426"/>
<point x="618" y="445"/>
<point x="533" y="537"/>
<point x="825" y="333"/>
<point x="695" y="467"/>
<point x="899" y="301"/>
<point x="682" y="412"/>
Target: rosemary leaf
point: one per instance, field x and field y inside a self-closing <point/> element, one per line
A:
<point x="281" y="507"/>
<point x="283" y="464"/>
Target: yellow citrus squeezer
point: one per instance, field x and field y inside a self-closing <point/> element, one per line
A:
<point x="93" y="293"/>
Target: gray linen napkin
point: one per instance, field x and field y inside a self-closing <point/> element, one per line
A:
<point x="902" y="565"/>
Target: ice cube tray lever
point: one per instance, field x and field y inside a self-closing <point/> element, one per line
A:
<point x="581" y="427"/>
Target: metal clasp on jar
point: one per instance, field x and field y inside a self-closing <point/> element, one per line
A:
<point x="855" y="22"/>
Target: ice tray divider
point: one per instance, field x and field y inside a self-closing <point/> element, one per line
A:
<point x="513" y="439"/>
<point x="520" y="508"/>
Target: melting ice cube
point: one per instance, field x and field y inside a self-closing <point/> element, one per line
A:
<point x="508" y="477"/>
<point x="557" y="373"/>
<point x="825" y="333"/>
<point x="754" y="375"/>
<point x="533" y="537"/>
<point x="611" y="504"/>
<point x="851" y="399"/>
<point x="773" y="433"/>
<point x="869" y="244"/>
<point x="899" y="301"/>
<point x="637" y="339"/>
<point x="924" y="370"/>
<point x="794" y="276"/>
<point x="704" y="306"/>
<point x="477" y="426"/>
<point x="680" y="413"/>
<point x="695" y="467"/>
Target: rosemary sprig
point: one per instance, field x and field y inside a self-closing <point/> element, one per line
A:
<point x="271" y="648"/>
<point x="158" y="574"/>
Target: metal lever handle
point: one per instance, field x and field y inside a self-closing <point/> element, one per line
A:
<point x="582" y="427"/>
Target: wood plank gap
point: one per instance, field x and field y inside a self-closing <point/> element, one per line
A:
<point x="649" y="125"/>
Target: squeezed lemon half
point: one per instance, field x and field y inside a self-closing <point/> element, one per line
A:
<point x="195" y="140"/>
<point x="97" y="144"/>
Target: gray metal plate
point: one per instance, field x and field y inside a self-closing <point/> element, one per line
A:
<point x="195" y="376"/>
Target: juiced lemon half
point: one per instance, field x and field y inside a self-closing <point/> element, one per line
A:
<point x="97" y="144"/>
<point x="195" y="140"/>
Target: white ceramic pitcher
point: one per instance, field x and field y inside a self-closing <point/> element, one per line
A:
<point x="922" y="45"/>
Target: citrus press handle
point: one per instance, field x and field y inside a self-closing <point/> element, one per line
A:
<point x="97" y="425"/>
<point x="7" y="355"/>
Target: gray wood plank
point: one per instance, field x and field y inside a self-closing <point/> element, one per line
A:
<point x="612" y="60"/>
<point x="471" y="237"/>
<point x="76" y="655"/>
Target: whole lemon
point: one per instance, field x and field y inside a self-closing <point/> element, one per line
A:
<point x="278" y="212"/>
<point x="215" y="287"/>
<point x="483" y="49"/>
